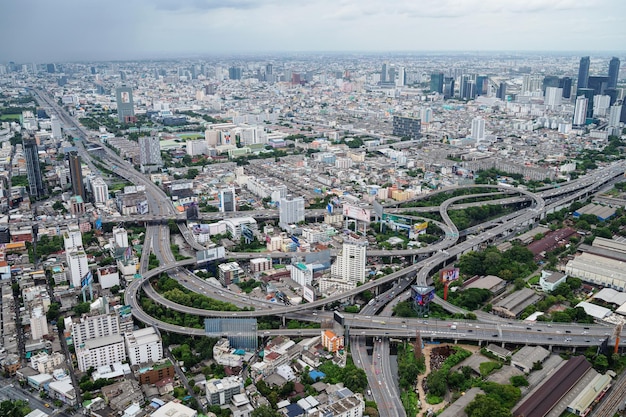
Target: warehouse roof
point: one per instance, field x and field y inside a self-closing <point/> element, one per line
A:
<point x="611" y="296"/>
<point x="594" y="310"/>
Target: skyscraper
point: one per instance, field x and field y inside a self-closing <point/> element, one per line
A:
<point x="566" y="84"/>
<point x="588" y="94"/>
<point x="553" y="97"/>
<point x="478" y="129"/>
<point x="150" y="151"/>
<point x="125" y="105"/>
<point x="580" y="111"/>
<point x="501" y="93"/>
<point x="436" y="82"/>
<point x="583" y="72"/>
<point x="31" y="152"/>
<point x="290" y="211"/>
<point x="448" y="87"/>
<point x="100" y="190"/>
<point x="350" y="264"/>
<point x="56" y="128"/>
<point x="482" y="85"/>
<point x="227" y="200"/>
<point x="613" y="72"/>
<point x="383" y="74"/>
<point x="76" y="175"/>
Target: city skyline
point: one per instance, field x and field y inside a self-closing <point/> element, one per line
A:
<point x="143" y="29"/>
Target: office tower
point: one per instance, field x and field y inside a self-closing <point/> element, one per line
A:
<point x="100" y="190"/>
<point x="150" y="151"/>
<point x="56" y="128"/>
<point x="290" y="211"/>
<point x="464" y="87"/>
<point x="234" y="73"/>
<point x="550" y="81"/>
<point x="50" y="68"/>
<point x="553" y="97"/>
<point x="227" y="200"/>
<point x="612" y="93"/>
<point x="478" y="129"/>
<point x="580" y="111"/>
<point x="501" y="93"/>
<point x="598" y="84"/>
<point x="93" y="70"/>
<point x="583" y="72"/>
<point x="383" y="74"/>
<point x="401" y="80"/>
<point x="482" y="85"/>
<point x="391" y="76"/>
<point x="448" y="87"/>
<point x="350" y="263"/>
<point x="76" y="175"/>
<point x="588" y="94"/>
<point x="436" y="82"/>
<point x="614" y="115"/>
<point x="77" y="264"/>
<point x="601" y="105"/>
<point x="125" y="106"/>
<point x="566" y="84"/>
<point x="72" y="237"/>
<point x="409" y="127"/>
<point x="269" y="68"/>
<point x="426" y="115"/>
<point x="31" y="153"/>
<point x="531" y="84"/>
<point x="613" y="72"/>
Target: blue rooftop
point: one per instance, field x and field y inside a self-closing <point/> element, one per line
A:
<point x="317" y="375"/>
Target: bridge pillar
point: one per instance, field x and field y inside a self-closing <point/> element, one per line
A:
<point x="502" y="345"/>
<point x="456" y="341"/>
<point x="284" y="318"/>
<point x="550" y="348"/>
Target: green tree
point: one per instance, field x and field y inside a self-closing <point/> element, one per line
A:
<point x="486" y="406"/>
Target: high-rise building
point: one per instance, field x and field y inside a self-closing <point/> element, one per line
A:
<point x="598" y="84"/>
<point x="482" y="85"/>
<point x="150" y="151"/>
<point x="120" y="237"/>
<point x="478" y="129"/>
<point x="383" y="74"/>
<point x="613" y="72"/>
<point x="501" y="93"/>
<point x="588" y="94"/>
<point x="553" y="97"/>
<point x="614" y="115"/>
<point x="143" y="346"/>
<point x="436" y="82"/>
<point x="77" y="264"/>
<point x="580" y="111"/>
<point x="234" y="73"/>
<point x="103" y="351"/>
<point x="601" y="105"/>
<point x="100" y="190"/>
<point x="56" y="128"/>
<point x="531" y="84"/>
<point x="448" y="87"/>
<point x="76" y="175"/>
<point x="550" y="81"/>
<point x="566" y="84"/>
<point x="583" y="72"/>
<point x="290" y="211"/>
<point x="350" y="264"/>
<point x="38" y="324"/>
<point x="401" y="80"/>
<point x="50" y="68"/>
<point x="31" y="153"/>
<point x="72" y="237"/>
<point x="125" y="105"/>
<point x="94" y="327"/>
<point x="407" y="127"/>
<point x="228" y="201"/>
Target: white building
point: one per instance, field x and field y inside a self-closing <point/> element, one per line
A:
<point x="236" y="225"/>
<point x="478" y="129"/>
<point x="197" y="147"/>
<point x="291" y="211"/>
<point x="44" y="363"/>
<point x="350" y="264"/>
<point x="77" y="265"/>
<point x="120" y="235"/>
<point x="108" y="276"/>
<point x="553" y="98"/>
<point x="92" y="327"/>
<point x="550" y="280"/>
<point x="102" y="351"/>
<point x="601" y="105"/>
<point x="56" y="128"/>
<point x="301" y="273"/>
<point x="347" y="405"/>
<point x="614" y="115"/>
<point x="100" y="190"/>
<point x="221" y="391"/>
<point x="580" y="111"/>
<point x="173" y="409"/>
<point x="144" y="346"/>
<point x="38" y="324"/>
<point x="227" y="198"/>
<point x="72" y="237"/>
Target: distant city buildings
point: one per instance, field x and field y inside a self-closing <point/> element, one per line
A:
<point x="407" y="127"/>
<point x="125" y="105"/>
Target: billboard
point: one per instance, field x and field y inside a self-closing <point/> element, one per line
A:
<point x="308" y="293"/>
<point x="87" y="280"/>
<point x="378" y="209"/>
<point x="422" y="295"/>
<point x="142" y="207"/>
<point x="357" y="213"/>
<point x="450" y="274"/>
<point x="212" y="254"/>
<point x="420" y="227"/>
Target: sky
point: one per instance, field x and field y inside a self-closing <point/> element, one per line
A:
<point x="70" y="30"/>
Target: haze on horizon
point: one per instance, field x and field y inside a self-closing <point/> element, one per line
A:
<point x="67" y="30"/>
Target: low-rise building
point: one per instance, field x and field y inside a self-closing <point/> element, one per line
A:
<point x="174" y="409"/>
<point x="550" y="280"/>
<point x="102" y="351"/>
<point x="221" y="391"/>
<point x="144" y="346"/>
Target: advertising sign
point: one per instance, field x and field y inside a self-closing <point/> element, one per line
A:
<point x="212" y="254"/>
<point x="308" y="293"/>
<point x="357" y="213"/>
<point x="451" y="274"/>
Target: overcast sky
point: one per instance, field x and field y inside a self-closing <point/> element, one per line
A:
<point x="59" y="30"/>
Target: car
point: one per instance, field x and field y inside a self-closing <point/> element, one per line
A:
<point x="494" y="335"/>
<point x="568" y="331"/>
<point x="46" y="405"/>
<point x="314" y="313"/>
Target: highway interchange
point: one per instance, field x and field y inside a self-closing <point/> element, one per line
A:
<point x="488" y="328"/>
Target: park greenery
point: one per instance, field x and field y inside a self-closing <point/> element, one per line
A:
<point x="514" y="263"/>
<point x="14" y="408"/>
<point x="409" y="367"/>
<point x="352" y="377"/>
<point x="175" y="292"/>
